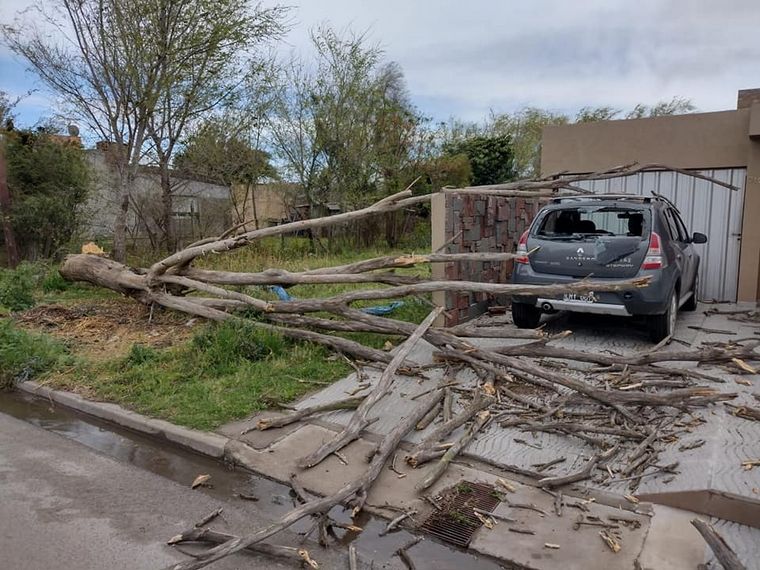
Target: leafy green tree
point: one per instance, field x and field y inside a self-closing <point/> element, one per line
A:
<point x="525" y="128"/>
<point x="216" y="153"/>
<point x="676" y="106"/>
<point x="490" y="158"/>
<point x="593" y="114"/>
<point x="220" y="152"/>
<point x="48" y="180"/>
<point x="343" y="126"/>
<point x="209" y="58"/>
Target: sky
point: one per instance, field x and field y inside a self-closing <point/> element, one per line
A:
<point x="465" y="59"/>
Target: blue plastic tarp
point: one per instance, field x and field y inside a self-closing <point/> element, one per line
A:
<point x="379" y="310"/>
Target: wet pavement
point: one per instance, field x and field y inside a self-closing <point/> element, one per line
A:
<point x="113" y="500"/>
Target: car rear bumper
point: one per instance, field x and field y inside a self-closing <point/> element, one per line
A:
<point x="581" y="307"/>
<point x="650" y="300"/>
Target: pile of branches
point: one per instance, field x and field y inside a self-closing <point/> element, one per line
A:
<point x="625" y="408"/>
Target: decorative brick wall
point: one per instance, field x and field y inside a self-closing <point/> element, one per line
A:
<point x="476" y="223"/>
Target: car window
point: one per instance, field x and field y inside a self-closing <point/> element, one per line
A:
<point x="681" y="225"/>
<point x="672" y="225"/>
<point x="595" y="220"/>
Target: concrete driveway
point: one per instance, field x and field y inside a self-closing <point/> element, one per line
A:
<point x="709" y="479"/>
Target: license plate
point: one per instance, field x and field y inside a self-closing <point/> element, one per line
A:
<point x="578" y="298"/>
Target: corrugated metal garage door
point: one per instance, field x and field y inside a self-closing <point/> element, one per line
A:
<point x="705" y="207"/>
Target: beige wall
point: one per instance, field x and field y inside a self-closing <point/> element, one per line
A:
<point x="699" y="141"/>
<point x="271" y="201"/>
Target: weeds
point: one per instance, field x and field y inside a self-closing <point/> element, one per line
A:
<point x="24" y="356"/>
<point x="17" y="287"/>
<point x="225" y="372"/>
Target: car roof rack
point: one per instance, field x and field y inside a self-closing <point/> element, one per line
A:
<point x="664" y="199"/>
<point x="629" y="197"/>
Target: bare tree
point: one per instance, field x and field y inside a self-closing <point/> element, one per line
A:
<point x="137" y="70"/>
<point x="107" y="75"/>
<point x="208" y="58"/>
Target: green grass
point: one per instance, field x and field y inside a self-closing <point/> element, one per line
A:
<point x="40" y="282"/>
<point x="24" y="356"/>
<point x="225" y="372"/>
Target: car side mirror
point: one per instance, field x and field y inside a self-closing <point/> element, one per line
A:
<point x="698" y="238"/>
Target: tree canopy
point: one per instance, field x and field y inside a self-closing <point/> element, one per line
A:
<point x="48" y="179"/>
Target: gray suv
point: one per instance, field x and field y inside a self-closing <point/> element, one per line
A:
<point x="605" y="238"/>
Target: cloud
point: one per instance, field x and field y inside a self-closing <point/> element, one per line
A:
<point x="466" y="58"/>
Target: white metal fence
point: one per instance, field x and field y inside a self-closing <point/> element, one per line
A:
<point x="705" y="207"/>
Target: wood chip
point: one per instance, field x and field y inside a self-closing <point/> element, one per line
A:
<point x="631" y="499"/>
<point x="487" y="522"/>
<point x="200" y="480"/>
<point x="692" y="445"/>
<point x="750" y="463"/>
<point x="550" y="545"/>
<point x="610" y="541"/>
<point x="505" y="485"/>
<point x="743" y="365"/>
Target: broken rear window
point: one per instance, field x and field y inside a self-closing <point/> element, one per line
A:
<point x="584" y="221"/>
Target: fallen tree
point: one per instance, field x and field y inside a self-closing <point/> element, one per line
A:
<point x="514" y="387"/>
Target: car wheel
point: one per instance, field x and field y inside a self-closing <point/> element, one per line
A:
<point x="664" y="325"/>
<point x="691" y="304"/>
<point x="525" y="316"/>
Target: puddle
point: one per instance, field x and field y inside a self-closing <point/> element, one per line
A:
<point x="183" y="466"/>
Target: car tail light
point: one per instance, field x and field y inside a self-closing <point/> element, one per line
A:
<point x="654" y="258"/>
<point x="522" y="248"/>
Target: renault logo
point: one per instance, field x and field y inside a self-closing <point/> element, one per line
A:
<point x="580" y="251"/>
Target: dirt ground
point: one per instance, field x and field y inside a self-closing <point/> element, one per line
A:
<point x="107" y="328"/>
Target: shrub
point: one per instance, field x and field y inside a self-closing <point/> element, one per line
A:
<point x="53" y="282"/>
<point x="17" y="287"/>
<point x="140" y="354"/>
<point x="224" y="345"/>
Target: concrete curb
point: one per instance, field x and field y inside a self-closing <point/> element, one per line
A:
<point x="206" y="443"/>
<point x="219" y="446"/>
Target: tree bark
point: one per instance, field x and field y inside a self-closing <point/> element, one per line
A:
<point x="195" y="534"/>
<point x="356" y="487"/>
<point x="120" y="222"/>
<point x="9" y="236"/>
<point x="723" y="552"/>
<point x="359" y="420"/>
<point x="167" y="207"/>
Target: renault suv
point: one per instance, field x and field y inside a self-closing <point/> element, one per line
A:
<point x="607" y="238"/>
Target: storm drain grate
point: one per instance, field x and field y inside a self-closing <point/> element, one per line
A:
<point x="455" y="522"/>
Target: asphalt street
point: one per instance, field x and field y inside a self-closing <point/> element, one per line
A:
<point x="64" y="505"/>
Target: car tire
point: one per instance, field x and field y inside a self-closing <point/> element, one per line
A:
<point x="664" y="325"/>
<point x="525" y="316"/>
<point x="691" y="304"/>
